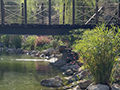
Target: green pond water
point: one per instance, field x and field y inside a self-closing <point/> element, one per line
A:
<point x="24" y="75"/>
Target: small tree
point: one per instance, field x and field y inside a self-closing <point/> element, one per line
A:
<point x="5" y="39"/>
<point x="17" y="41"/>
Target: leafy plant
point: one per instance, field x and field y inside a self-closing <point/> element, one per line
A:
<point x="5" y="39"/>
<point x="30" y="43"/>
<point x="54" y="43"/>
<point x="17" y="41"/>
<point x="41" y="48"/>
<point x="98" y="48"/>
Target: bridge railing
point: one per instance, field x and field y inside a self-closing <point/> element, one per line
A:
<point x="51" y="12"/>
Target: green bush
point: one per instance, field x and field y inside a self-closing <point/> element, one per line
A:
<point x="41" y="48"/>
<point x="17" y="41"/>
<point x="30" y="43"/>
<point x="99" y="48"/>
<point x="5" y="39"/>
<point x="55" y="43"/>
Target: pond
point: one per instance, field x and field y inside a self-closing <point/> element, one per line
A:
<point x="24" y="75"/>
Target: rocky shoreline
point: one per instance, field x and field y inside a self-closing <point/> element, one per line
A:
<point x="67" y="64"/>
<point x="75" y="77"/>
<point x="46" y="54"/>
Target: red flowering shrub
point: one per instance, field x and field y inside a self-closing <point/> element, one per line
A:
<point x="72" y="57"/>
<point x="42" y="40"/>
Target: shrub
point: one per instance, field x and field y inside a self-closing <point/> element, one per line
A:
<point x="55" y="43"/>
<point x="17" y="41"/>
<point x="41" y="48"/>
<point x="42" y="40"/>
<point x="5" y="39"/>
<point x="30" y="43"/>
<point x="99" y="47"/>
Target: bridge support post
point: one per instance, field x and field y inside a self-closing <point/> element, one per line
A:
<point x="42" y="7"/>
<point x="25" y="6"/>
<point x="83" y="17"/>
<point x="2" y="13"/>
<point x="96" y="21"/>
<point x="23" y="13"/>
<point x="73" y="19"/>
<point x="49" y="12"/>
<point x="119" y="13"/>
<point x="63" y="13"/>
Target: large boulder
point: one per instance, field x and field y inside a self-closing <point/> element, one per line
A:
<point x="97" y="87"/>
<point x="79" y="76"/>
<point x="52" y="82"/>
<point x="115" y="87"/>
<point x="49" y="52"/>
<point x="84" y="84"/>
<point x="45" y="52"/>
<point x="59" y="63"/>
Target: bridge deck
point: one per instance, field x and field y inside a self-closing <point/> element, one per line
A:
<point x="40" y="17"/>
<point x="40" y="29"/>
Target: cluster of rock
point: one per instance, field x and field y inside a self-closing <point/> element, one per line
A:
<point x="44" y="54"/>
<point x="90" y="86"/>
<point x="74" y="74"/>
<point x="72" y="70"/>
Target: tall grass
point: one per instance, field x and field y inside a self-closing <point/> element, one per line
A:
<point x="99" y="48"/>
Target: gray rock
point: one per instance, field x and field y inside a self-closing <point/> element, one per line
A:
<point x="38" y="54"/>
<point x="45" y="52"/>
<point x="52" y="82"/>
<point x="65" y="87"/>
<point x="1" y="49"/>
<point x="59" y="63"/>
<point x="6" y="48"/>
<point x="77" y="77"/>
<point x="19" y="51"/>
<point x="27" y="53"/>
<point x="66" y="67"/>
<point x="115" y="87"/>
<point x="32" y="55"/>
<point x="42" y="56"/>
<point x="33" y="52"/>
<point x="76" y="88"/>
<point x="84" y="84"/>
<point x="1" y="44"/>
<point x="69" y="72"/>
<point x="59" y="56"/>
<point x="97" y="87"/>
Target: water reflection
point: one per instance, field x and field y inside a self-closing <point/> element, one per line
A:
<point x="23" y="75"/>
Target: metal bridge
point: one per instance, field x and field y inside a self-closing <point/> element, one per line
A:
<point x="55" y="17"/>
